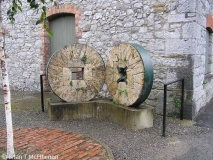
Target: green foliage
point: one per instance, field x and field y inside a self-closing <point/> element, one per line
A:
<point x="155" y="115"/>
<point x="35" y="5"/>
<point x="3" y="156"/>
<point x="123" y="91"/>
<point x="48" y="99"/>
<point x="93" y="69"/>
<point x="204" y="83"/>
<point x="70" y="83"/>
<point x="177" y="103"/>
<point x="120" y="91"/>
<point x="16" y="5"/>
<point x="115" y="102"/>
<point x="145" y="102"/>
<point x="80" y="89"/>
<point x="125" y="59"/>
<point x="84" y="58"/>
<point x="174" y="116"/>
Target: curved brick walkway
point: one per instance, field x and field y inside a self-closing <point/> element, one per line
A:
<point x="50" y="142"/>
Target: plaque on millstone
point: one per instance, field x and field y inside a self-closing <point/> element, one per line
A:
<point x="129" y="74"/>
<point x="76" y="73"/>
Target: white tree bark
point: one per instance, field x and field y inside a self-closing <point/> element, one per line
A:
<point x="7" y="99"/>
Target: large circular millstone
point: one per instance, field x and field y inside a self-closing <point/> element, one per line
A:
<point x="76" y="73"/>
<point x="129" y="74"/>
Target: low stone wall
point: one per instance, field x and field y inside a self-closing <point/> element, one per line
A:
<point x="134" y="119"/>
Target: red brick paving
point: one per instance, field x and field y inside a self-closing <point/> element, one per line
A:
<point x="52" y="142"/>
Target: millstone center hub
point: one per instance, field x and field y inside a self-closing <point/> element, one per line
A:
<point x="123" y="76"/>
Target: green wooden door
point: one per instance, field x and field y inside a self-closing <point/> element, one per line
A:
<point x="63" y="29"/>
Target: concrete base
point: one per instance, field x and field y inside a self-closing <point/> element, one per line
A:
<point x="130" y="118"/>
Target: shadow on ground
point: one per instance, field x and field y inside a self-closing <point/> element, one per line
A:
<point x="205" y="116"/>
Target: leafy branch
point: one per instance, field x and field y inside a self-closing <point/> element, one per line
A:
<point x="17" y="6"/>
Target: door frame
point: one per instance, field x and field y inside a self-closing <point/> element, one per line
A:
<point x="45" y="48"/>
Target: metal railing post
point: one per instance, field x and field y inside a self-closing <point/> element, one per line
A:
<point x="164" y="110"/>
<point x="42" y="93"/>
<point x="182" y="100"/>
<point x="164" y="103"/>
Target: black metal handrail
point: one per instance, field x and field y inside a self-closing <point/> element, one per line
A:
<point x="42" y="92"/>
<point x="164" y="103"/>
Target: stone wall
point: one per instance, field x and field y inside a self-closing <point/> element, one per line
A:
<point x="172" y="31"/>
<point x="202" y="83"/>
<point x="22" y="45"/>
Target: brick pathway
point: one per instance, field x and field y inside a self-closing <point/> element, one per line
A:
<point x="43" y="142"/>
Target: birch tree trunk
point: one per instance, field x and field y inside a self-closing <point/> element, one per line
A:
<point x="7" y="99"/>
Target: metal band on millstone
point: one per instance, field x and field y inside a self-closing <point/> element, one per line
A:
<point x="76" y="73"/>
<point x="129" y="74"/>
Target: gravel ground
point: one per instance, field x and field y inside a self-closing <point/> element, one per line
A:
<point x="183" y="142"/>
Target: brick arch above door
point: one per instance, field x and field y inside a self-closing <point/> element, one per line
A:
<point x="45" y="48"/>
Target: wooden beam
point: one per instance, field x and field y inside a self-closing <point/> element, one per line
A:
<point x="209" y="23"/>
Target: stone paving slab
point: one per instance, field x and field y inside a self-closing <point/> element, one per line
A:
<point x="39" y="143"/>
